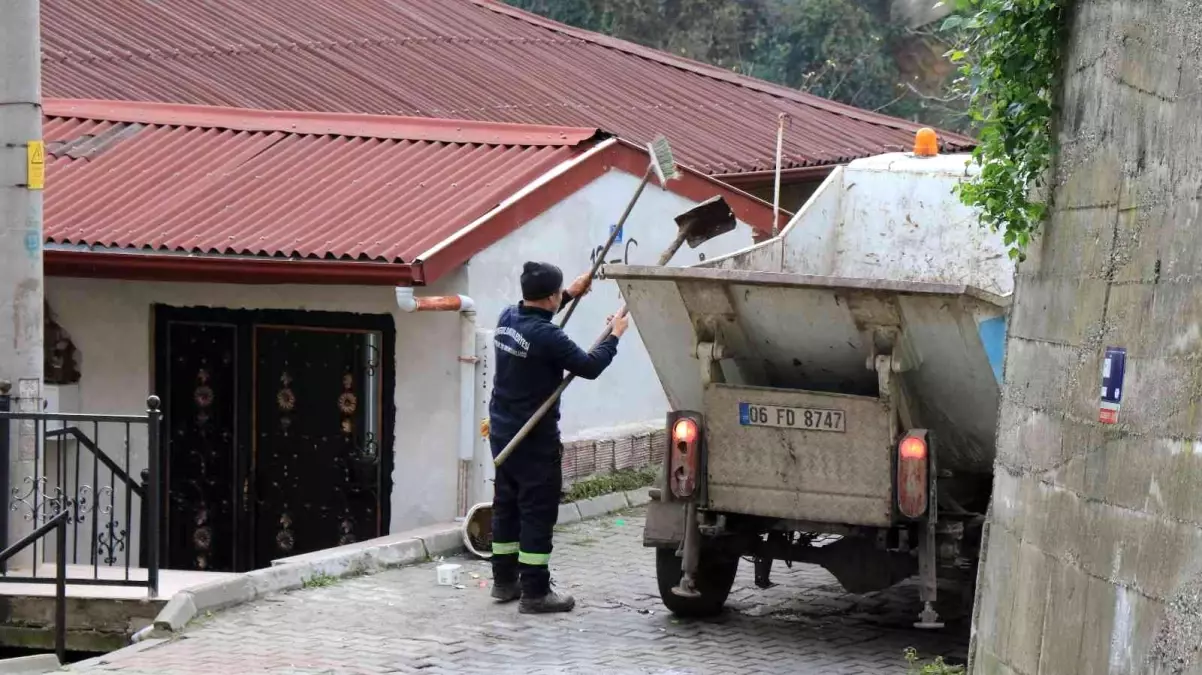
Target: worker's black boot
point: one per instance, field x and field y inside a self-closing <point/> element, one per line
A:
<point x="506" y="592"/>
<point x="505" y="584"/>
<point x="550" y="603"/>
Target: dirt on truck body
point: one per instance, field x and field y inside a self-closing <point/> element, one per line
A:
<point x="834" y="390"/>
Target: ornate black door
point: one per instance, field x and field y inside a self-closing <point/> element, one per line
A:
<point x="316" y="458"/>
<point x="278" y="428"/>
<point x="201" y="449"/>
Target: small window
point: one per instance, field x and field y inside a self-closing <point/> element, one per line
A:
<point x="61" y="356"/>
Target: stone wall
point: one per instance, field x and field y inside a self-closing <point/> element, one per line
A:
<point x="1093" y="561"/>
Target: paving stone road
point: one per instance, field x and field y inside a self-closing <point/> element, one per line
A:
<point x="400" y="621"/>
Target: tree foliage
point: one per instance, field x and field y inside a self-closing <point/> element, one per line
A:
<point x="838" y="49"/>
<point x="1010" y="60"/>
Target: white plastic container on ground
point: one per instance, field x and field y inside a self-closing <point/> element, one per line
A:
<point x="450" y="574"/>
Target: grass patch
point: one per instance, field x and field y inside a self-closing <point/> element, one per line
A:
<point x="914" y="666"/>
<point x="198" y="621"/>
<point x="319" y="581"/>
<point x="618" y="481"/>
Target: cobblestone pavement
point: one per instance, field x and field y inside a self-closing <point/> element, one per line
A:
<point x="400" y="621"/>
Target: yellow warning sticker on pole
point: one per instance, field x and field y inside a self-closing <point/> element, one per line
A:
<point x="35" y="165"/>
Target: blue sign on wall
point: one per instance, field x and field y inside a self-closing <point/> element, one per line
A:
<point x="1114" y="369"/>
<point x="617" y="239"/>
<point x="33" y="241"/>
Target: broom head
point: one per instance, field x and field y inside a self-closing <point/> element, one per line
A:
<point x="662" y="161"/>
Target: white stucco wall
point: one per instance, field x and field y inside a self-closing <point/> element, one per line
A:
<point x="111" y="324"/>
<point x="565" y="235"/>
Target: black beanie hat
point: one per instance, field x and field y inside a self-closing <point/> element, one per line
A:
<point x="540" y="280"/>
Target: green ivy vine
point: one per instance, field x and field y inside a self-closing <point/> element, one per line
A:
<point x="1009" y="54"/>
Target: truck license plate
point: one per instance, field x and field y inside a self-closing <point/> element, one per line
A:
<point x="808" y="419"/>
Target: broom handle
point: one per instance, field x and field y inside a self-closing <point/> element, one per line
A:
<point x="609" y="328"/>
<point x="613" y="236"/>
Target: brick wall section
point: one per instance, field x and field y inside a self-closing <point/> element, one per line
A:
<point x="589" y="457"/>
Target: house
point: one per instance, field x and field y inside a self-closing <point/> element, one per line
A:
<point x="256" y="268"/>
<point x="463" y="59"/>
<point x="238" y="186"/>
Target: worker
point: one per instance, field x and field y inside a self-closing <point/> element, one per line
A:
<point x="532" y="354"/>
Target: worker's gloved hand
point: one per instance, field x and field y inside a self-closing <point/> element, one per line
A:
<point x="580" y="285"/>
<point x="619" y="322"/>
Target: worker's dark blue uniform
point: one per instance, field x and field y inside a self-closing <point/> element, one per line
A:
<point x="532" y="354"/>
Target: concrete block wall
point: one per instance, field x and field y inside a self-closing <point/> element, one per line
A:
<point x="595" y="456"/>
<point x="1093" y="562"/>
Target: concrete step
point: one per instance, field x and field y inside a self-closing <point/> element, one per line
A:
<point x="99" y="618"/>
<point x="36" y="664"/>
<point x="93" y="624"/>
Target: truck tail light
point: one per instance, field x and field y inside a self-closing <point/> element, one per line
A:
<point x="684" y="455"/>
<point x="685" y="431"/>
<point x="913" y="474"/>
<point x="913" y="448"/>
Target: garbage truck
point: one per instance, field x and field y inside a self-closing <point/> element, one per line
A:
<point x="833" y="390"/>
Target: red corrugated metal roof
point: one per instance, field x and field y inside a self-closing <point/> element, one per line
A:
<point x="460" y="59"/>
<point x="272" y="197"/>
<point x="221" y="181"/>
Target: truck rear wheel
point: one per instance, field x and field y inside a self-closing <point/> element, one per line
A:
<point x="715" y="576"/>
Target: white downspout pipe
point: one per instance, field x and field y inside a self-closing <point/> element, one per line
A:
<point x="408" y="302"/>
<point x="780" y="145"/>
<point x="467" y="403"/>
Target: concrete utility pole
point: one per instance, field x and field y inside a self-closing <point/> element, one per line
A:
<point x="22" y="166"/>
<point x="1094" y="556"/>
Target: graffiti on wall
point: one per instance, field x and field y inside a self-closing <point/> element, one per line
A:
<point x="622" y="259"/>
